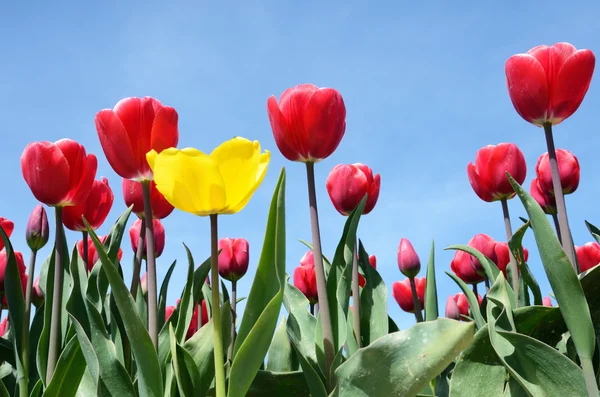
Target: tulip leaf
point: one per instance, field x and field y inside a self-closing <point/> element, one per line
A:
<point x="489" y="267"/>
<point x="142" y="307"/>
<point x="149" y="375"/>
<point x="76" y="305"/>
<point x="373" y="302"/>
<point x="44" y="338"/>
<point x="281" y="356"/>
<point x="69" y="371"/>
<point x="288" y="384"/>
<point x="3" y="391"/>
<point x="540" y="322"/>
<point x="516" y="247"/>
<point x="561" y="275"/>
<point x="594" y="231"/>
<point x="200" y="275"/>
<point x="351" y="346"/>
<point x="162" y="297"/>
<point x="471" y="298"/>
<point x="411" y="358"/>
<point x="264" y="301"/>
<point x="431" y="298"/>
<point x="184" y="368"/>
<point x="186" y="304"/>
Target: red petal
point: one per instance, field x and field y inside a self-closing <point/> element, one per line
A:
<point x="81" y="192"/>
<point x="324" y="123"/>
<point x="572" y="83"/>
<point x="116" y="144"/>
<point x="46" y="172"/>
<point x="75" y="155"/>
<point x="165" y="133"/>
<point x="281" y="132"/>
<point x="477" y="184"/>
<point x="293" y="105"/>
<point x="528" y="87"/>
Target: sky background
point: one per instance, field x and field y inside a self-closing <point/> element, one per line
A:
<point x="424" y="89"/>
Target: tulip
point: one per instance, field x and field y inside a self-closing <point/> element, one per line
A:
<point x="463" y="303"/>
<point x="544" y="198"/>
<point x="3" y="261"/>
<point x="95" y="208"/>
<point x="37" y="295"/>
<point x="373" y="261"/>
<point x="588" y="255"/>
<point x="159" y="236"/>
<point x="503" y="256"/>
<point x="452" y="310"/>
<point x="92" y="254"/>
<point x="487" y="246"/>
<point x="37" y="231"/>
<point x="4" y="326"/>
<point x="234" y="258"/>
<point x="305" y="278"/>
<point x="568" y="169"/>
<point x="547" y="84"/>
<point x="144" y="284"/>
<point x="408" y="260"/>
<point x="347" y="185"/>
<point x="401" y="290"/>
<point x="308" y="123"/>
<point x="133" y="128"/>
<point x="168" y="311"/>
<point x="8" y="228"/>
<point x="462" y="266"/>
<point x="59" y="174"/>
<point x="132" y="193"/>
<point x="204" y="314"/>
<point x="361" y="279"/>
<point x="547" y="301"/>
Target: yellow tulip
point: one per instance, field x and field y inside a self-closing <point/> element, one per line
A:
<point x="220" y="183"/>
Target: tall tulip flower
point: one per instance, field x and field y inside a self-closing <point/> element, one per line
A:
<point x="544" y="198"/>
<point x="489" y="181"/>
<point x="568" y="171"/>
<point x="60" y="175"/>
<point x="209" y="185"/>
<point x="503" y="256"/>
<point x="305" y="279"/>
<point x="546" y="85"/>
<point x="463" y="304"/>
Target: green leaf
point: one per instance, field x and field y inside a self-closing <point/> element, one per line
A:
<point x="186" y="304"/>
<point x="149" y="375"/>
<point x="407" y="360"/>
<point x="200" y="279"/>
<point x="373" y="302"/>
<point x="516" y="246"/>
<point x="489" y="267"/>
<point x="37" y="389"/>
<point x="471" y="298"/>
<point x="431" y="298"/>
<point x="76" y="305"/>
<point x="594" y="231"/>
<point x="162" y="297"/>
<point x="540" y="322"/>
<point x="44" y="339"/>
<point x="392" y="325"/>
<point x="281" y="356"/>
<point x="184" y="368"/>
<point x="288" y="384"/>
<point x="3" y="391"/>
<point x="351" y="344"/>
<point x="69" y="371"/>
<point x="562" y="277"/>
<point x="265" y="299"/>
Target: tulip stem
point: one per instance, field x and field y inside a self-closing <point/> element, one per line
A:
<point x="561" y="208"/>
<point x="312" y="308"/>
<point x="84" y="237"/>
<point x="475" y="290"/>
<point x="216" y="311"/>
<point x="557" y="226"/>
<point x="151" y="266"/>
<point x="514" y="272"/>
<point x="416" y="301"/>
<point x="487" y="285"/>
<point x="24" y="380"/>
<point x="590" y="377"/>
<point x="55" y="320"/>
<point x="233" y="318"/>
<point x="356" y="297"/>
<point x="137" y="261"/>
<point x="320" y="274"/>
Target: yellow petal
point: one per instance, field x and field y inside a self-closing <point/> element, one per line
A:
<point x="243" y="168"/>
<point x="189" y="180"/>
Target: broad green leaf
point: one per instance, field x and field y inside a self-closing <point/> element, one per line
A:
<point x="142" y="307"/>
<point x="410" y="358"/>
<point x="7" y="352"/>
<point x="471" y="298"/>
<point x="44" y="339"/>
<point x="351" y="346"/>
<point x="162" y="296"/>
<point x="516" y="246"/>
<point x="200" y="278"/>
<point x="489" y="267"/>
<point x="186" y="304"/>
<point x="149" y="374"/>
<point x="373" y="302"/>
<point x="184" y="368"/>
<point x="288" y="384"/>
<point x="69" y="371"/>
<point x="264" y="302"/>
<point x="562" y="277"/>
<point x="86" y="385"/>
<point x="3" y="391"/>
<point x="281" y="356"/>
<point x="37" y="389"/>
<point x="540" y="322"/>
<point x="76" y="305"/>
<point x="431" y="298"/>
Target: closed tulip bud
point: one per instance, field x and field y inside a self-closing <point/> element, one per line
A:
<point x="463" y="304"/>
<point x="4" y="326"/>
<point x="95" y="208"/>
<point x="144" y="284"/>
<point x="308" y="123"/>
<point x="547" y="301"/>
<point x="59" y="174"/>
<point x="568" y="169"/>
<point x="588" y="255"/>
<point x="452" y="310"/>
<point x="92" y="253"/>
<point x="37" y="230"/>
<point x="168" y="311"/>
<point x="545" y="199"/>
<point x="37" y="295"/>
<point x="347" y="185"/>
<point x="132" y="193"/>
<point x="159" y="237"/>
<point x="403" y="294"/>
<point x="305" y="278"/>
<point x="503" y="256"/>
<point x="8" y="227"/>
<point x="547" y="84"/>
<point x="488" y="175"/>
<point x="408" y="260"/>
<point x="3" y="261"/>
<point x="133" y="128"/>
<point x="373" y="261"/>
<point x="234" y="258"/>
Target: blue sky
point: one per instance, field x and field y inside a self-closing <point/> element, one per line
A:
<point x="424" y="89"/>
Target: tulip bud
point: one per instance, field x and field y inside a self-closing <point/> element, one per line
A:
<point x="348" y="184"/>
<point x="503" y="256"/>
<point x="8" y="227"/>
<point x="588" y="255"/>
<point x="168" y="311"/>
<point x="545" y="199"/>
<point x="4" y="326"/>
<point x="234" y="258"/>
<point x="37" y="295"/>
<point x="92" y="256"/>
<point x="373" y="261"/>
<point x="547" y="301"/>
<point x="37" y="231"/>
<point x="408" y="260"/>
<point x="159" y="237"/>
<point x="402" y="292"/>
<point x="305" y="278"/>
<point x="452" y="310"/>
<point x="463" y="303"/>
<point x="568" y="169"/>
<point x="144" y="284"/>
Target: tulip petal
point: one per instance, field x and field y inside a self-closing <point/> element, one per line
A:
<point x="281" y="132"/>
<point x="165" y="133"/>
<point x="46" y="172"/>
<point x="528" y="87"/>
<point x="116" y="144"/>
<point x="81" y="192"/>
<point x="572" y="83"/>
<point x="76" y="157"/>
<point x="324" y="123"/>
<point x="477" y="184"/>
<point x="293" y="104"/>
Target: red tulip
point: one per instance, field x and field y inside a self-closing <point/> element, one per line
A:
<point x="547" y="84"/>
<point x="408" y="260"/>
<point x="462" y="266"/>
<point x="547" y="301"/>
<point x="95" y="208"/>
<point x="159" y="237"/>
<point x="168" y="311"/>
<point x="568" y="169"/>
<point x="132" y="193"/>
<point x="37" y="295"/>
<point x="133" y="128"/>
<point x="543" y="198"/>
<point x="3" y="262"/>
<point x="588" y="255"/>
<point x="92" y="254"/>
<point x="305" y="278"/>
<point x="403" y="294"/>
<point x="488" y="175"/>
<point x="234" y="258"/>
<point x="8" y="228"/>
<point x="4" y="326"/>
<point x="463" y="303"/>
<point x="308" y="123"/>
<point x="373" y="261"/>
<point x="503" y="256"/>
<point x="59" y="174"/>
<point x="486" y="245"/>
<point x="347" y="185"/>
<point x="452" y="310"/>
<point x="361" y="279"/>
<point x="144" y="284"/>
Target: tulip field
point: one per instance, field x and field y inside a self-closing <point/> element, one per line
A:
<point x="75" y="324"/>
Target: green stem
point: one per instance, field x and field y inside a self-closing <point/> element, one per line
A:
<point x="55" y="320"/>
<point x="24" y="380"/>
<point x="590" y="377"/>
<point x="514" y="272"/>
<point x="137" y="261"/>
<point x="233" y="318"/>
<point x="151" y="264"/>
<point x="216" y="311"/>
<point x="356" y="298"/>
<point x="416" y="301"/>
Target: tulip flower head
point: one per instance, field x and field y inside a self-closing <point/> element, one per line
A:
<point x="347" y="184"/>
<point x="452" y="310"/>
<point x="547" y="84"/>
<point x="159" y="237"/>
<point x="466" y="266"/>
<point x="305" y="278"/>
<point x="308" y="122"/>
<point x="545" y="199"/>
<point x="408" y="260"/>
<point x="547" y="301"/>
<point x="144" y="284"/>
<point x="133" y="128"/>
<point x="8" y="227"/>
<point x="568" y="170"/>
<point x="37" y="295"/>
<point x="92" y="253"/>
<point x="588" y="255"/>
<point x="95" y="208"/>
<point x="59" y="174"/>
<point x="373" y="261"/>
<point x="488" y="175"/>
<point x="168" y="311"/>
<point x="403" y="294"/>
<point x="503" y="256"/>
<point x="220" y="183"/>
<point x="132" y="193"/>
<point x="234" y="258"/>
<point x="463" y="304"/>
